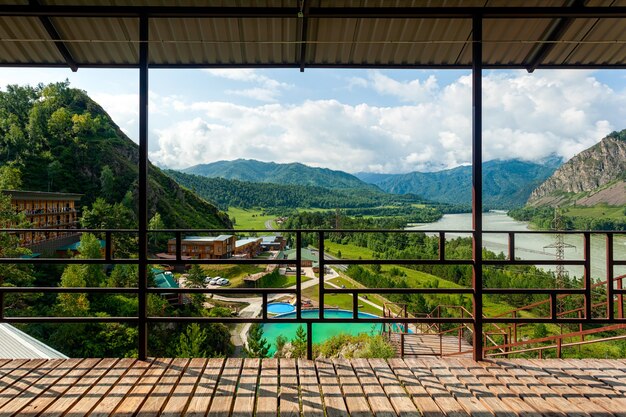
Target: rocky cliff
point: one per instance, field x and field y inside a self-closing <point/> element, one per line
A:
<point x="596" y="175"/>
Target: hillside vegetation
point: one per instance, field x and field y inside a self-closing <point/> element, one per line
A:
<point x="270" y="172"/>
<point x="55" y="138"/>
<point x="506" y="184"/>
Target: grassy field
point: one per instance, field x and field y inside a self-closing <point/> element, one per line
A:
<point x="607" y="212"/>
<point x="235" y="273"/>
<point x="249" y="219"/>
<point x="343" y="301"/>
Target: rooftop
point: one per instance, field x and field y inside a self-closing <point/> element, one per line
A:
<point x="42" y="195"/>
<point x="18" y="345"/>
<point x="243" y="242"/>
<point x="220" y="238"/>
<point x="315" y="33"/>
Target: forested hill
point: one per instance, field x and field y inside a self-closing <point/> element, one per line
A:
<point x="506" y="184"/>
<point x="55" y="138"/>
<point x="270" y="172"/>
<point x="226" y="193"/>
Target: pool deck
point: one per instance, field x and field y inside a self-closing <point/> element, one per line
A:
<point x="358" y="387"/>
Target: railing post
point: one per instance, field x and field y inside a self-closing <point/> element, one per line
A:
<point x="477" y="187"/>
<point x="321" y="274"/>
<point x="179" y="246"/>
<point x="108" y="250"/>
<point x="142" y="351"/>
<point x="558" y="348"/>
<point x="553" y="306"/>
<point x="355" y="305"/>
<point x="511" y="246"/>
<point x="587" y="274"/>
<point x="299" y="275"/>
<point x="442" y="246"/>
<point x="610" y="285"/>
<point x="264" y="312"/>
<point x="309" y="341"/>
<point x="402" y="345"/>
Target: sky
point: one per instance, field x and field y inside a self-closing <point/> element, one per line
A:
<point x="354" y="120"/>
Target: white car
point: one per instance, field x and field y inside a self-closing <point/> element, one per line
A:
<point x="207" y="280"/>
<point x="213" y="281"/>
<point x="223" y="281"/>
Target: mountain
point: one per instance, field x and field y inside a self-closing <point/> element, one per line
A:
<point x="596" y="175"/>
<point x="506" y="184"/>
<point x="270" y="172"/>
<point x="234" y="193"/>
<point x="55" y="138"/>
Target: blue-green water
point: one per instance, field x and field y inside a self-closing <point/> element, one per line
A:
<point x="321" y="331"/>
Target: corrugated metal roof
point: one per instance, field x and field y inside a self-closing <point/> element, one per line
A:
<point x="360" y="33"/>
<point x="15" y="344"/>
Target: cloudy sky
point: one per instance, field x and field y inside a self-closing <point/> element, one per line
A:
<point x="354" y="120"/>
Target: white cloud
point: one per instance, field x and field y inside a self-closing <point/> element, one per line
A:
<point x="526" y="116"/>
<point x="267" y="89"/>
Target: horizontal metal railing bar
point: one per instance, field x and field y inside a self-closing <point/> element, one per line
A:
<point x="398" y="262"/>
<point x="567" y="291"/>
<point x="252" y="291"/>
<point x="533" y="262"/>
<point x="234" y="320"/>
<point x="533" y="320"/>
<point x="353" y="291"/>
<point x="120" y="290"/>
<point x="234" y="231"/>
<point x="56" y="261"/>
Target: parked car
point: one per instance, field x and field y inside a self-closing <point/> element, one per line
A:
<point x="213" y="281"/>
<point x="223" y="282"/>
<point x="207" y="280"/>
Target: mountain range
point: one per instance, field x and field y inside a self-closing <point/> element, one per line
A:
<point x="251" y="170"/>
<point x="506" y="183"/>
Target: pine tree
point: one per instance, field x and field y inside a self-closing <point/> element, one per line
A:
<point x="196" y="276"/>
<point x="191" y="342"/>
<point x="299" y="343"/>
<point x="257" y="344"/>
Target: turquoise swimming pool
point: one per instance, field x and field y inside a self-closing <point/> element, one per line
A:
<point x="280" y="308"/>
<point x="321" y="331"/>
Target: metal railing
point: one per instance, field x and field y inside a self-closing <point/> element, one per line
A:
<point x="476" y="319"/>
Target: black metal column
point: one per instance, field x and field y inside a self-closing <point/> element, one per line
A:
<point x="143" y="188"/>
<point x="477" y="184"/>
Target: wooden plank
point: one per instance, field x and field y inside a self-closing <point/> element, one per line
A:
<point x="422" y="400"/>
<point x="161" y="392"/>
<point x="79" y="388"/>
<point x="246" y="391"/>
<point x="472" y="405"/>
<point x="422" y="369"/>
<point x="329" y="384"/>
<point x="14" y="370"/>
<point x="58" y="388"/>
<point x="267" y="403"/>
<point x="581" y="396"/>
<point x="467" y="372"/>
<point x="25" y="377"/>
<point x="516" y="368"/>
<point x="289" y="402"/>
<point x="310" y="395"/>
<point x="99" y="389"/>
<point x="205" y="389"/>
<point x="120" y="389"/>
<point x="180" y="397"/>
<point x="352" y="390"/>
<point x="225" y="390"/>
<point x="397" y="395"/>
<point x="142" y="389"/>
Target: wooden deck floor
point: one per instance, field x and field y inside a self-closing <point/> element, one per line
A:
<point x="359" y="387"/>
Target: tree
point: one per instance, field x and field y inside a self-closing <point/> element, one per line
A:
<point x="107" y="184"/>
<point x="90" y="248"/>
<point x="54" y="169"/>
<point x="257" y="344"/>
<point x="196" y="276"/>
<point x="10" y="177"/>
<point x="191" y="342"/>
<point x="156" y="223"/>
<point x="299" y="343"/>
<point x="73" y="304"/>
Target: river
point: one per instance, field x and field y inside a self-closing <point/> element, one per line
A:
<point x="532" y="246"/>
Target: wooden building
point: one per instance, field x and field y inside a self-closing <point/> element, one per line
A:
<point x="44" y="210"/>
<point x="248" y="248"/>
<point x="204" y="247"/>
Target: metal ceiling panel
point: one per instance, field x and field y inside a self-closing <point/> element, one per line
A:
<point x="511" y="41"/>
<point x="23" y="40"/>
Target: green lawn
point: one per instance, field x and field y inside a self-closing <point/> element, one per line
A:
<point x="607" y="212"/>
<point x="249" y="219"/>
<point x="235" y="273"/>
<point x="343" y="301"/>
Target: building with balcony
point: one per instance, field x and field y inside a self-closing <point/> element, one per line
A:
<point x="273" y="242"/>
<point x="45" y="210"/>
<point x="205" y="247"/>
<point x="248" y="248"/>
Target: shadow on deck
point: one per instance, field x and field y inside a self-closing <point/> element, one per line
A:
<point x="358" y="387"/>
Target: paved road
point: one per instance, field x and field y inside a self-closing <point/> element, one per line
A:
<point x="269" y="225"/>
